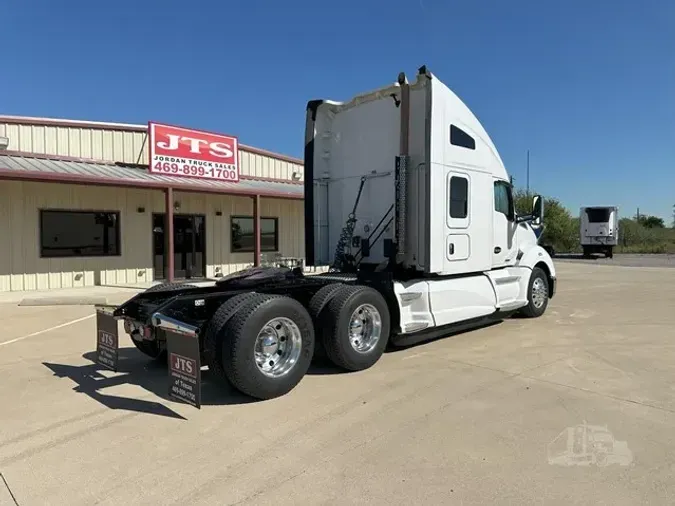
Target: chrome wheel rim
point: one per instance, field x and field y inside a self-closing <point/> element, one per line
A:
<point x="539" y="293"/>
<point x="365" y="328"/>
<point x="277" y="347"/>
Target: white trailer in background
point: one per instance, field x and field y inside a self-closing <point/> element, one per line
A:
<point x="599" y="229"/>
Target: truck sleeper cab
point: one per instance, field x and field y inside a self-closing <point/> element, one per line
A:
<point x="409" y="204"/>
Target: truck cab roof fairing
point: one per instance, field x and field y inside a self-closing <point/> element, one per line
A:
<point x="453" y="110"/>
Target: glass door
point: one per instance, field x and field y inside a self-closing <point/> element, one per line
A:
<point x="189" y="244"/>
<point x="158" y="246"/>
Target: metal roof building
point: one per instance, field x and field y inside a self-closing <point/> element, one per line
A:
<point x="79" y="207"/>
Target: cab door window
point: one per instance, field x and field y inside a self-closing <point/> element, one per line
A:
<point x="503" y="199"/>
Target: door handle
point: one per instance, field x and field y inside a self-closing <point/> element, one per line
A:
<point x="498" y="249"/>
<point x="451" y="249"/>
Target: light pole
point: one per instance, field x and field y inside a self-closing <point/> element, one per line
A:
<point x="528" y="173"/>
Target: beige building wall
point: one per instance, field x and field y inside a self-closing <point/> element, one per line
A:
<point x="21" y="267"/>
<point x="122" y="143"/>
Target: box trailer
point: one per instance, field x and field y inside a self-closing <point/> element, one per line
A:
<point x="599" y="229"/>
<point x="409" y="204"/>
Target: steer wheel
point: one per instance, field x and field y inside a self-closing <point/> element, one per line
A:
<point x="537" y="294"/>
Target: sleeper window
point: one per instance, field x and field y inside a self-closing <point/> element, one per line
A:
<point x="459" y="137"/>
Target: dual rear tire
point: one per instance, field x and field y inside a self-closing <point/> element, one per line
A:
<point x="353" y="325"/>
<point x="263" y="344"/>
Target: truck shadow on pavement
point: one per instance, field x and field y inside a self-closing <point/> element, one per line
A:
<point x="136" y="369"/>
<point x="576" y="256"/>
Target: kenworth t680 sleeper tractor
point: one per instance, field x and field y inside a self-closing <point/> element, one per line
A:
<point x="408" y="201"/>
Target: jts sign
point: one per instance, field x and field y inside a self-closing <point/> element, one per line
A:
<point x="176" y="151"/>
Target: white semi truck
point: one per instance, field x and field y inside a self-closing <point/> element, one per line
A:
<point x="408" y="201"/>
<point x="599" y="230"/>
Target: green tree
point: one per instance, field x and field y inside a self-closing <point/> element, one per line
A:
<point x="651" y="222"/>
<point x="561" y="229"/>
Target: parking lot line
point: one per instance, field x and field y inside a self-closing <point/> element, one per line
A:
<point x="56" y="327"/>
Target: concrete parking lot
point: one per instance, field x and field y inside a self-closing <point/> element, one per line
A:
<point x="478" y="418"/>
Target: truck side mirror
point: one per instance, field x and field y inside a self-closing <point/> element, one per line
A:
<point x="537" y="209"/>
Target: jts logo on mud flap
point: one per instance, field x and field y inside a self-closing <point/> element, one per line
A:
<point x="183" y="365"/>
<point x="106" y="339"/>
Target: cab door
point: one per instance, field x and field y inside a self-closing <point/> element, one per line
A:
<point x="458" y="218"/>
<point x="504" y="245"/>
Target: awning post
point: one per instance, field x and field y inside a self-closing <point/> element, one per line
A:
<point x="168" y="235"/>
<point x="257" y="249"/>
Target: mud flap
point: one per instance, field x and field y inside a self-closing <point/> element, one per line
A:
<point x="185" y="376"/>
<point x="107" y="338"/>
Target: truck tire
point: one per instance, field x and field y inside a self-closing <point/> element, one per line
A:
<point x="321" y="298"/>
<point x="537" y="290"/>
<point x="360" y="309"/>
<point x="213" y="343"/>
<point x="267" y="346"/>
<point x="316" y="305"/>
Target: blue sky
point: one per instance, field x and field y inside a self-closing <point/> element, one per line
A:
<point x="587" y="87"/>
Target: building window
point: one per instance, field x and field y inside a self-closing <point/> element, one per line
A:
<point x="243" y="240"/>
<point x="65" y="234"/>
<point x="459" y="137"/>
<point x="503" y="198"/>
<point x="459" y="197"/>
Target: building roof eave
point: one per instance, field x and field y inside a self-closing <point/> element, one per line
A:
<point x="87" y="173"/>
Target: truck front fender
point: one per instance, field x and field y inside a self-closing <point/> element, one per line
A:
<point x="536" y="256"/>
